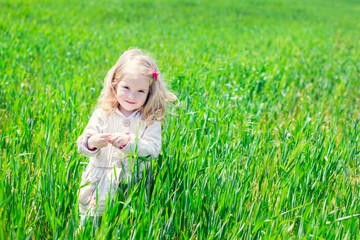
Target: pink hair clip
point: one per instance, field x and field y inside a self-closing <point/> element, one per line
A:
<point x="155" y="74"/>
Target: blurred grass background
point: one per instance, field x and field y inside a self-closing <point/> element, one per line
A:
<point x="264" y="145"/>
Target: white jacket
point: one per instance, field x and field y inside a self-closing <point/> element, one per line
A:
<point x="148" y="142"/>
<point x="145" y="140"/>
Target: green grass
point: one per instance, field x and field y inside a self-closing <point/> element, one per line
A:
<point x="265" y="143"/>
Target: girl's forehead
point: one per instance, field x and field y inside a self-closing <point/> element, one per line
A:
<point x="135" y="79"/>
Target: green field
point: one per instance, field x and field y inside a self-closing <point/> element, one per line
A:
<point x="263" y="145"/>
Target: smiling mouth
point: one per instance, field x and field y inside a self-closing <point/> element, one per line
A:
<point x="130" y="102"/>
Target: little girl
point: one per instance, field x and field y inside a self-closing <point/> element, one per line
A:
<point x="127" y="119"/>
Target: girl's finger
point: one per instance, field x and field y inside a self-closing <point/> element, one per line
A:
<point x="113" y="143"/>
<point x="114" y="138"/>
<point x="118" y="141"/>
<point x="105" y="135"/>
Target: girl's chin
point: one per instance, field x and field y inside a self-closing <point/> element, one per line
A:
<point x="127" y="110"/>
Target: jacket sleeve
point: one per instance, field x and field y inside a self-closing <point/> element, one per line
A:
<point x="93" y="127"/>
<point x="149" y="144"/>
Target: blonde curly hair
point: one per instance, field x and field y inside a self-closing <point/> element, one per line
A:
<point x="154" y="107"/>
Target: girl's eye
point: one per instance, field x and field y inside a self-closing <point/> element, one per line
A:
<point x="126" y="87"/>
<point x="141" y="91"/>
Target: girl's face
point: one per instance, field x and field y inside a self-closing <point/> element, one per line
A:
<point x="132" y="92"/>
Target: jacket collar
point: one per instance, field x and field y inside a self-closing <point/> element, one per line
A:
<point x="133" y="115"/>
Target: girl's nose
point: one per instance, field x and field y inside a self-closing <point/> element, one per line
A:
<point x="131" y="95"/>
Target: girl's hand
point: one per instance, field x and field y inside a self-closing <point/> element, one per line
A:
<point x="119" y="139"/>
<point x="98" y="140"/>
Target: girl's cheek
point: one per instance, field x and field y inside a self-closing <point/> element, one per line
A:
<point x="119" y="94"/>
